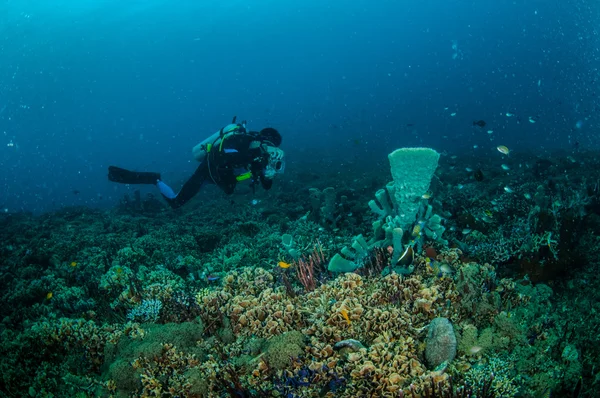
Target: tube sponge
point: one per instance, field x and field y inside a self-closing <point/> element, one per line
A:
<point x="412" y="170"/>
<point x="351" y="257"/>
<point x="384" y="208"/>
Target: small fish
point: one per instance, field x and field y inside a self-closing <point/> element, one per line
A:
<point x="508" y="114"/>
<point x="505" y="167"/>
<point x="344" y="313"/>
<point x="466" y="231"/>
<point x="487" y="219"/>
<point x="428" y="262"/>
<point x="417" y="230"/>
<point x="508" y="189"/>
<point x="488" y="213"/>
<point x="532" y="119"/>
<point x="351" y="344"/>
<point x="453" y="114"/>
<point x="212" y="278"/>
<point x="503" y="149"/>
<point x="490" y="131"/>
<point x="433" y="267"/>
<point x="73" y="264"/>
<point x="426" y="195"/>
<point x="407" y="257"/>
<point x="284" y="265"/>
<point x="460" y="186"/>
<point x="468" y="169"/>
<point x="475" y="349"/>
<point x="49" y="295"/>
<point x="480" y="123"/>
<point x="444" y="270"/>
<point x="527" y="196"/>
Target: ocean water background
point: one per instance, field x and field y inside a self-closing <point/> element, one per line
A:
<point x="85" y="84"/>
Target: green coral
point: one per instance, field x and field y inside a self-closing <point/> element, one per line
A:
<point x="131" y="257"/>
<point x="467" y="339"/>
<point x="280" y="349"/>
<point x="506" y="380"/>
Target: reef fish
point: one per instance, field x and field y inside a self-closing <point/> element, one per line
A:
<point x="353" y="345"/>
<point x="503" y="149"/>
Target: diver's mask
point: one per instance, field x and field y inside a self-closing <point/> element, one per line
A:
<point x="276" y="163"/>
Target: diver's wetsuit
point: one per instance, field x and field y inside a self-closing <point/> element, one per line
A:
<point x="224" y="165"/>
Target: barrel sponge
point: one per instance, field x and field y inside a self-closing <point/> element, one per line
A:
<point x="412" y="170"/>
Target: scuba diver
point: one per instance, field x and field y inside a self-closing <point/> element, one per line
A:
<point x="230" y="155"/>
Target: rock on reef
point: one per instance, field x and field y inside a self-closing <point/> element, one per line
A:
<point x="440" y="344"/>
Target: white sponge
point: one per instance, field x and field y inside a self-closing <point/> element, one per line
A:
<point x="412" y="170"/>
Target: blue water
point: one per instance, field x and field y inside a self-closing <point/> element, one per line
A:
<point x="85" y="84"/>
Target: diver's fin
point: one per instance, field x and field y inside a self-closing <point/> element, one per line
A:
<point x="117" y="174"/>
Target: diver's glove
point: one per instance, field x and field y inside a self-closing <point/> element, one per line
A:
<point x="123" y="176"/>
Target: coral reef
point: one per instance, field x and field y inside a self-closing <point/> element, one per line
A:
<point x="211" y="302"/>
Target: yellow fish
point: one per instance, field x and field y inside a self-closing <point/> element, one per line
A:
<point x="73" y="264"/>
<point x="426" y="195"/>
<point x="503" y="149"/>
<point x="284" y="265"/>
<point x="344" y="313"/>
<point x="48" y="295"/>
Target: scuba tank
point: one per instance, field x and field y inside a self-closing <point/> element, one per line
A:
<point x="201" y="150"/>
